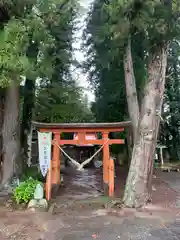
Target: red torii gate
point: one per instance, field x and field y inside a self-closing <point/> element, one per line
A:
<point x="53" y="176"/>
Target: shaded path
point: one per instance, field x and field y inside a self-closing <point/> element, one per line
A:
<point x="171" y="178"/>
<point x="80" y="185"/>
<point x="173" y="181"/>
<point x="88" y="184"/>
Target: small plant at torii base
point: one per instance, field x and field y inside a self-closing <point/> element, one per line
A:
<point x="25" y="191"/>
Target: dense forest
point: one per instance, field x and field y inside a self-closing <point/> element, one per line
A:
<point x="36" y="81"/>
<point x="133" y="63"/>
<point x="132" y="60"/>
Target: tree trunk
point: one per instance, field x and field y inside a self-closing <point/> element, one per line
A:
<point x="1" y="124"/>
<point x="131" y="92"/>
<point x="28" y="105"/>
<point x="10" y="134"/>
<point x="138" y="186"/>
<point x="129" y="145"/>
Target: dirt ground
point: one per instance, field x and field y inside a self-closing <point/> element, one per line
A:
<point x="81" y="212"/>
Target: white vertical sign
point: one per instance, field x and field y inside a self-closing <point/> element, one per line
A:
<point x="44" y="143"/>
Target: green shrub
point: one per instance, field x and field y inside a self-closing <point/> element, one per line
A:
<point x="33" y="173"/>
<point x="25" y="191"/>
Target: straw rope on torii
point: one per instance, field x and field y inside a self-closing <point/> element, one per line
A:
<point x="76" y="163"/>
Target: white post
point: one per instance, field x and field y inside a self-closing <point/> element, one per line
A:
<point x="161" y="155"/>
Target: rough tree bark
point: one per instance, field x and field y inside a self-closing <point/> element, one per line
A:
<point x="131" y="92"/>
<point x="138" y="186"/>
<point x="10" y="134"/>
<point x="1" y="124"/>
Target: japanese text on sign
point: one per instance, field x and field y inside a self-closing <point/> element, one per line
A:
<point x="44" y="143"/>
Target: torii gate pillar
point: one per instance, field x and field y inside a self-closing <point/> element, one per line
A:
<point x="106" y="157"/>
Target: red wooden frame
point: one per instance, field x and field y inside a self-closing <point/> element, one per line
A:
<point x="53" y="176"/>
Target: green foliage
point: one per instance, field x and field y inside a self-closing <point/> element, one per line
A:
<point x="32" y="172"/>
<point x="60" y="24"/>
<point x="17" y="35"/>
<point x="38" y="44"/>
<point x="59" y="98"/>
<point x="62" y="103"/>
<point x="25" y="191"/>
<point x="169" y="131"/>
<point x="36" y="47"/>
<point x="40" y="40"/>
<point x="13" y="45"/>
<point x="150" y="24"/>
<point x="159" y="20"/>
<point x="105" y="62"/>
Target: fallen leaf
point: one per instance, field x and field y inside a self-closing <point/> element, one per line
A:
<point x="94" y="236"/>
